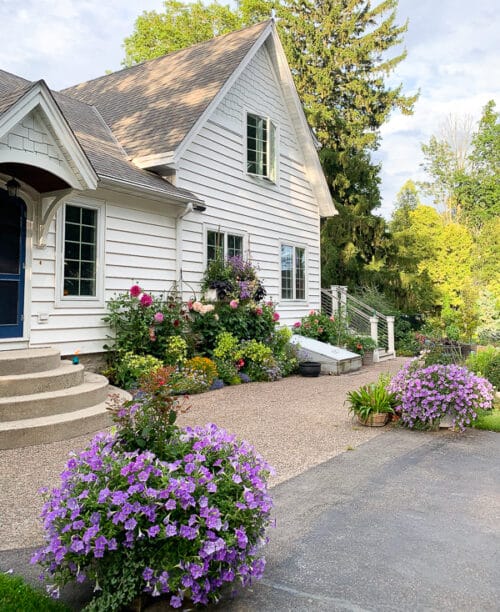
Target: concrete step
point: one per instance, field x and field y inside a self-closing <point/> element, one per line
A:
<point x="43" y="430"/>
<point x="93" y="390"/>
<point x="64" y="376"/>
<point x="384" y="355"/>
<point x="28" y="360"/>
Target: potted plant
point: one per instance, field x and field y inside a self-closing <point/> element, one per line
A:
<point x="373" y="403"/>
<point x="309" y="368"/>
<point x="364" y="346"/>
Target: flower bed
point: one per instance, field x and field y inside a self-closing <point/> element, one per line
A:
<point x="153" y="331"/>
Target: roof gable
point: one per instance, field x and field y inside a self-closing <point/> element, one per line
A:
<point x="152" y="107"/>
<point x="68" y="160"/>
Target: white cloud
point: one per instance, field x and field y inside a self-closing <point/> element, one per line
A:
<point x="66" y="41"/>
<point x="453" y="59"/>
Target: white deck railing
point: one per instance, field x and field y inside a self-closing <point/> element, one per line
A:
<point x="361" y="318"/>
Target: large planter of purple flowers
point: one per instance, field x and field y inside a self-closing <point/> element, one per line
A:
<point x="157" y="511"/>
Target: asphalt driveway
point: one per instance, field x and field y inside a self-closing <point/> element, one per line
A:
<point x="407" y="521"/>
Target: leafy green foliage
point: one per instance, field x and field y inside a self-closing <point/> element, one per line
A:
<point x="129" y="368"/>
<point x="488" y="420"/>
<point x="180" y="25"/>
<point x="17" y="595"/>
<point x="320" y="326"/>
<point x="371" y="399"/>
<point x="486" y="363"/>
<point x="148" y="421"/>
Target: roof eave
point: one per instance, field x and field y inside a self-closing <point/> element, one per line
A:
<point x="122" y="186"/>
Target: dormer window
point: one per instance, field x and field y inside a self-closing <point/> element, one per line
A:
<point x="261" y="147"/>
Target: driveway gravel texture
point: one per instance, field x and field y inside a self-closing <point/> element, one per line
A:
<point x="294" y="423"/>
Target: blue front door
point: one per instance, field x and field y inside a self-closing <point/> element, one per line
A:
<point x="12" y="256"/>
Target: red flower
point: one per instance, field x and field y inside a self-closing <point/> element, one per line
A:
<point x="176" y="323"/>
<point x="146" y="299"/>
<point x="135" y="291"/>
<point x="276" y="316"/>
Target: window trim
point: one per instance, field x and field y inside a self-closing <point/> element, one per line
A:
<point x="225" y="231"/>
<point x="294" y="298"/>
<point x="271" y="148"/>
<point x="83" y="301"/>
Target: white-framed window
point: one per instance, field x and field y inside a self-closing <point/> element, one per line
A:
<point x="261" y="147"/>
<point x="293" y="272"/>
<point x="223" y="244"/>
<point x="80" y="243"/>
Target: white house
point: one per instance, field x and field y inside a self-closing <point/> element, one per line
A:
<point x="135" y="176"/>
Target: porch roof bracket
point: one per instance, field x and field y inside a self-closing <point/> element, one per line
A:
<point x="50" y="203"/>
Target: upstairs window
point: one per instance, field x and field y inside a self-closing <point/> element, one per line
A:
<point x="293" y="273"/>
<point x="224" y="245"/>
<point x="261" y="147"/>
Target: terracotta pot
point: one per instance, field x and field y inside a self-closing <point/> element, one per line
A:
<point x="309" y="368"/>
<point x="377" y="419"/>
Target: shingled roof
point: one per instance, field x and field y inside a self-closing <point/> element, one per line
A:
<point x="99" y="145"/>
<point x="152" y="106"/>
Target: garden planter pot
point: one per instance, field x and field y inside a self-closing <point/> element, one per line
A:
<point x="310" y="368"/>
<point x="377" y="419"/>
<point x="367" y="358"/>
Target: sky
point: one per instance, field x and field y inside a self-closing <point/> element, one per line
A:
<point x="453" y="59"/>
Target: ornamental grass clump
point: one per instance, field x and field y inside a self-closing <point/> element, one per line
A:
<point x="182" y="522"/>
<point x="425" y="395"/>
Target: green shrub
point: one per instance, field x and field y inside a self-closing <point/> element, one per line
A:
<point x="324" y="328"/>
<point x="176" y="351"/>
<point x="130" y="367"/>
<point x="486" y="363"/>
<point x="18" y="596"/>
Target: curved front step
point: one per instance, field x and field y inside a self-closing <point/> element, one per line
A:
<point x="43" y="430"/>
<point x="92" y="391"/>
<point x="25" y="361"/>
<point x="65" y="375"/>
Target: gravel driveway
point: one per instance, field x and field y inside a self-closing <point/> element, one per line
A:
<point x="294" y="423"/>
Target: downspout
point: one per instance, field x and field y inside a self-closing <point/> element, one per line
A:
<point x="178" y="246"/>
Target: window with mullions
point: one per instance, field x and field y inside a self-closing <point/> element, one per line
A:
<point x="224" y="245"/>
<point x="261" y="147"/>
<point x="293" y="273"/>
<point x="80" y="251"/>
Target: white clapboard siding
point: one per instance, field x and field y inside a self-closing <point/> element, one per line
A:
<point x="139" y="248"/>
<point x="213" y="167"/>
